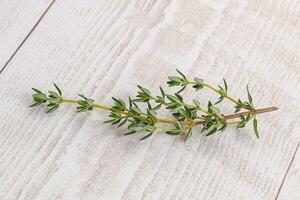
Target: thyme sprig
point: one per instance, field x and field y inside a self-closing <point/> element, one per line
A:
<point x="139" y="114"/>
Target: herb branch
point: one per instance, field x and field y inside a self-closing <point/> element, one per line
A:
<point x="139" y="114"/>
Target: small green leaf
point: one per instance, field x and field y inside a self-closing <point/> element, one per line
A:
<point x="242" y="124"/>
<point x="37" y="91"/>
<point x="136" y="128"/>
<point x="123" y="122"/>
<point x="53" y="108"/>
<point x="173" y="132"/>
<point x="197" y="103"/>
<point x="144" y="90"/>
<point x="249" y="96"/>
<point x="53" y="94"/>
<point x="109" y="121"/>
<point x="225" y="84"/>
<point x="221" y="98"/>
<point x="35" y="104"/>
<point x="188" y="135"/>
<point x="178" y="126"/>
<point x="82" y="96"/>
<point x="222" y="127"/>
<point x="39" y="97"/>
<point x="116" y="121"/>
<point x="152" y="112"/>
<point x="212" y="129"/>
<point x="57" y="88"/>
<point x="146" y="136"/>
<point x="175" y="79"/>
<point x="130" y="133"/>
<point x="181" y="89"/>
<point x="199" y="83"/>
<point x="136" y="110"/>
<point x="255" y="127"/>
<point x="162" y="92"/>
<point x="183" y="76"/>
<point x="81" y="109"/>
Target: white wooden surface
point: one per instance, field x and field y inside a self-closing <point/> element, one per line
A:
<point x="18" y="19"/>
<point x="103" y="49"/>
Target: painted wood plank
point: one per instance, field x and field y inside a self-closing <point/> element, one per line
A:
<point x="17" y="19"/>
<point x="104" y="48"/>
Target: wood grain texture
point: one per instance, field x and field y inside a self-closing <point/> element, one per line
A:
<point x="103" y="49"/>
<point x="17" y="19"/>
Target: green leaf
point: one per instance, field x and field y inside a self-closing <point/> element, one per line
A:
<point x="242" y="124"/>
<point x="212" y="129"/>
<point x="178" y="126"/>
<point x="35" y="104"/>
<point x="54" y="101"/>
<point x="123" y="122"/>
<point x="249" y="96"/>
<point x="162" y="92"/>
<point x="116" y="121"/>
<point x="130" y="133"/>
<point x="199" y="84"/>
<point x="57" y="88"/>
<point x="136" y="128"/>
<point x="237" y="108"/>
<point x="150" y="128"/>
<point x="37" y="91"/>
<point x="81" y="109"/>
<point x="51" y="104"/>
<point x="255" y="127"/>
<point x="183" y="76"/>
<point x="39" y="97"/>
<point x="82" y="96"/>
<point x="173" y="132"/>
<point x="109" y="121"/>
<point x="175" y="79"/>
<point x="221" y="98"/>
<point x="173" y="98"/>
<point x="199" y="81"/>
<point x="146" y="136"/>
<point x="225" y="84"/>
<point x="197" y="103"/>
<point x="188" y="135"/>
<point x="131" y="103"/>
<point x="53" y="108"/>
<point x="152" y="112"/>
<point x="53" y="94"/>
<point x="181" y="89"/>
<point x="222" y="127"/>
<point x="144" y="90"/>
<point x="136" y="110"/>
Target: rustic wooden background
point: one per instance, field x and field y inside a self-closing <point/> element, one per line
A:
<point x="103" y="49"/>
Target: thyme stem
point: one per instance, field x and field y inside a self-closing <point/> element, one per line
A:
<point x="217" y="91"/>
<point x="253" y="112"/>
<point x="170" y="121"/>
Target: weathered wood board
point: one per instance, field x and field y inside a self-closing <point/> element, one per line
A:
<point x="105" y="48"/>
<point x="18" y="18"/>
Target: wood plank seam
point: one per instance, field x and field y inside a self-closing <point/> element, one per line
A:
<point x="285" y="175"/>
<point x="27" y="36"/>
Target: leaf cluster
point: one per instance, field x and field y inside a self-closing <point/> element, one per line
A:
<point x="214" y="120"/>
<point x="222" y="91"/>
<point x="180" y="80"/>
<point x="85" y="104"/>
<point x="132" y="115"/>
<point x="53" y="99"/>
